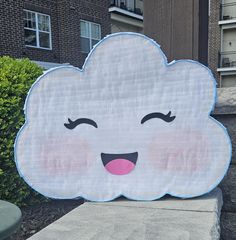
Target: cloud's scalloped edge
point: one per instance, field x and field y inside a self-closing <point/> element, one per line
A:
<point x="81" y="70"/>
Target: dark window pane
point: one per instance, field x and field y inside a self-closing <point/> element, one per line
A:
<point x="94" y="42"/>
<point x="85" y="46"/>
<point x="25" y="23"/>
<point x="30" y="38"/>
<point x="44" y="40"/>
<point x="31" y="24"/>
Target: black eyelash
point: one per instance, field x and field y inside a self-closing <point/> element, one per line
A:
<point x="166" y="118"/>
<point x="72" y="124"/>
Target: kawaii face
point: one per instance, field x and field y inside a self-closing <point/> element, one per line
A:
<point x="127" y="124"/>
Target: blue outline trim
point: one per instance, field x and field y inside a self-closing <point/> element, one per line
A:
<point x="81" y="71"/>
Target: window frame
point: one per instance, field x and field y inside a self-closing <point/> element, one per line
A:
<point x="90" y="33"/>
<point x="38" y="31"/>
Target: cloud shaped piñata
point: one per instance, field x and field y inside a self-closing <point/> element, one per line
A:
<point x="126" y="124"/>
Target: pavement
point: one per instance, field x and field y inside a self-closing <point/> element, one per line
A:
<point x="165" y="219"/>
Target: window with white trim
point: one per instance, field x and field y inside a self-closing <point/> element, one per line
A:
<point x="90" y="34"/>
<point x="37" y="29"/>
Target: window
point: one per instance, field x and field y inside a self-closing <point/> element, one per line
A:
<point x="37" y="30"/>
<point x="90" y="34"/>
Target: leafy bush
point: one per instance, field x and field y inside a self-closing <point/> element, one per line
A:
<point x="16" y="78"/>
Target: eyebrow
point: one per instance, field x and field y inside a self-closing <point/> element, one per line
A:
<point x="165" y="117"/>
<point x="72" y="124"/>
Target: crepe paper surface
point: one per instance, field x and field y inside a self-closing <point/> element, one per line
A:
<point x="128" y="123"/>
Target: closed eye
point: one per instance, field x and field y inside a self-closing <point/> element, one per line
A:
<point x="165" y="117"/>
<point x="72" y="124"/>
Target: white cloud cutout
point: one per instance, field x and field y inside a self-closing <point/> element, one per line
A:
<point x="125" y="78"/>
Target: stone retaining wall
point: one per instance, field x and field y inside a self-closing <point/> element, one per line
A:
<point x="225" y="112"/>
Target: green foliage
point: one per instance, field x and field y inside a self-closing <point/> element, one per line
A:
<point x="16" y="78"/>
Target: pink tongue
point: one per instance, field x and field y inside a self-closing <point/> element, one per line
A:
<point x="120" y="166"/>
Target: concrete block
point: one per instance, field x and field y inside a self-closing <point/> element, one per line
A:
<point x="168" y="218"/>
<point x="226" y="101"/>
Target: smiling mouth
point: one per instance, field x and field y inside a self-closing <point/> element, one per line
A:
<point x="119" y="164"/>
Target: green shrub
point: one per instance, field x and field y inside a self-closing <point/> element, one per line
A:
<point x="16" y="78"/>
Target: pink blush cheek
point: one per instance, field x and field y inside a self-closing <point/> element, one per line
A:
<point x="65" y="156"/>
<point x="180" y="151"/>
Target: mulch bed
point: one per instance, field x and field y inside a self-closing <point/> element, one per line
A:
<point x="37" y="217"/>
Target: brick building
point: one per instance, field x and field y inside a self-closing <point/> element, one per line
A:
<point x="56" y="31"/>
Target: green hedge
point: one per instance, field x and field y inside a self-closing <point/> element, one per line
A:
<point x="16" y="78"/>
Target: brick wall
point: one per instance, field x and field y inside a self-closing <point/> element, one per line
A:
<point x="11" y="28"/>
<point x="70" y="13"/>
<point x="214" y="40"/>
<point x="65" y="26"/>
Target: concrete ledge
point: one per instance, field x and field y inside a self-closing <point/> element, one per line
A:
<point x="226" y="102"/>
<point x="169" y="218"/>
